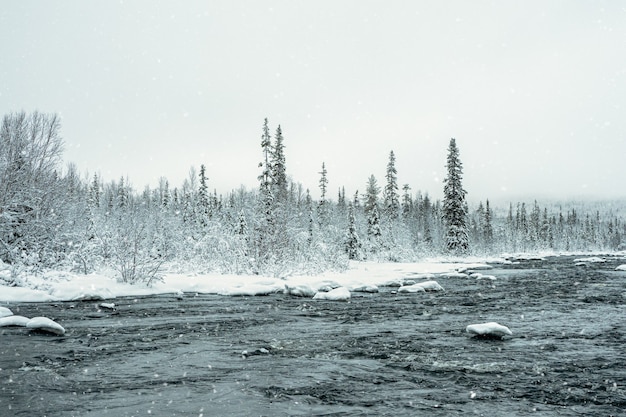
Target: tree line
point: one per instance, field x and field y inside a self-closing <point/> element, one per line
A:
<point x="55" y="219"/>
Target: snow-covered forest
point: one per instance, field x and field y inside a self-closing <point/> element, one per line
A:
<point x="55" y="217"/>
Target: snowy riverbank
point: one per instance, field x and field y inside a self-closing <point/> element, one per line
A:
<point x="64" y="286"/>
<point x="361" y="276"/>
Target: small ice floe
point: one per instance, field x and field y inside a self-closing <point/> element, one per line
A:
<point x="14" y="321"/>
<point x="300" y="290"/>
<point x="421" y="287"/>
<point x="110" y="306"/>
<point x="4" y="312"/>
<point x="490" y="330"/>
<point x="621" y="268"/>
<point x="338" y="294"/>
<point x="46" y="325"/>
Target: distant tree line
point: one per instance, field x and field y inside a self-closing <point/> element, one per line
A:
<point x="54" y="219"/>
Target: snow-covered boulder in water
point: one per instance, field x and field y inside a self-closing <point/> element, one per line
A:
<point x="411" y="289"/>
<point x="46" y="325"/>
<point x="621" y="268"/>
<point x="430" y="285"/>
<point x="421" y="287"/>
<point x="590" y="260"/>
<point x="364" y="288"/>
<point x="300" y="290"/>
<point x="338" y="294"/>
<point x="491" y="329"/>
<point x="19" y="321"/>
<point x="478" y="276"/>
<point x="4" y="312"/>
<point x="454" y="275"/>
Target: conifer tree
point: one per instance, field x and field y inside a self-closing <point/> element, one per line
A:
<point x="454" y="205"/>
<point x="487" y="231"/>
<point x="407" y="201"/>
<point x="373" y="224"/>
<point x="266" y="146"/>
<point x="323" y="204"/>
<point x="426" y="213"/>
<point x="278" y="167"/>
<point x="391" y="201"/>
<point x="203" y="197"/>
<point x="371" y="208"/>
<point x="341" y="199"/>
<point x="95" y="192"/>
<point x="122" y="194"/>
<point x="266" y="225"/>
<point x="352" y="242"/>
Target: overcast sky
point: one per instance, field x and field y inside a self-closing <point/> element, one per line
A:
<point x="534" y="92"/>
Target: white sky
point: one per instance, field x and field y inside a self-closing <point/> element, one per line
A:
<point x="534" y="91"/>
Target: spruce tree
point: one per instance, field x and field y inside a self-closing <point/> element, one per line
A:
<point x="278" y="167"/>
<point x="341" y="200"/>
<point x="203" y="197"/>
<point x="371" y="208"/>
<point x="454" y="213"/>
<point x="488" y="226"/>
<point x="352" y="241"/>
<point x="391" y="199"/>
<point x="266" y="228"/>
<point x="95" y="193"/>
<point x="323" y="204"/>
<point x="407" y="201"/>
<point x="266" y="147"/>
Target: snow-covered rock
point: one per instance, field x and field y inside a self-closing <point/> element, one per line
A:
<point x="475" y="267"/>
<point x="364" y="288"/>
<point x="253" y="289"/>
<point x="621" y="268"/>
<point x="300" y="290"/>
<point x="479" y="276"/>
<point x="338" y="294"/>
<point x="411" y="289"/>
<point x="13" y="321"/>
<point x="590" y="260"/>
<point x="72" y="292"/>
<point x="45" y="324"/>
<point x="421" y="287"/>
<point x="430" y="285"/>
<point x="489" y="329"/>
<point x="4" y="312"/>
<point x="454" y="275"/>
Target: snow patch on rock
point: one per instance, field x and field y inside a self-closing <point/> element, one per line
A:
<point x="338" y="294"/>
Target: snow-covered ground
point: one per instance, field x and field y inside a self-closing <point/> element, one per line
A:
<point x="361" y="276"/>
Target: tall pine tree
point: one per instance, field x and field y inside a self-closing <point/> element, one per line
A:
<point x="454" y="213"/>
<point x="391" y="200"/>
<point x="278" y="167"/>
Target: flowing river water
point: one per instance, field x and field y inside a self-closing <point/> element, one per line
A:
<point x="379" y="354"/>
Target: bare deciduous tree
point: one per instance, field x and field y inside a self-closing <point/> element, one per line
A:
<point x="30" y="153"/>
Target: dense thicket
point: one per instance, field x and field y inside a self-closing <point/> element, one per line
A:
<point x="50" y="219"/>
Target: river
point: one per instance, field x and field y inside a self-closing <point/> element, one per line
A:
<point x="379" y="354"/>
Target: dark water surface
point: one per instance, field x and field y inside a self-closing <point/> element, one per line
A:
<point x="379" y="354"/>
